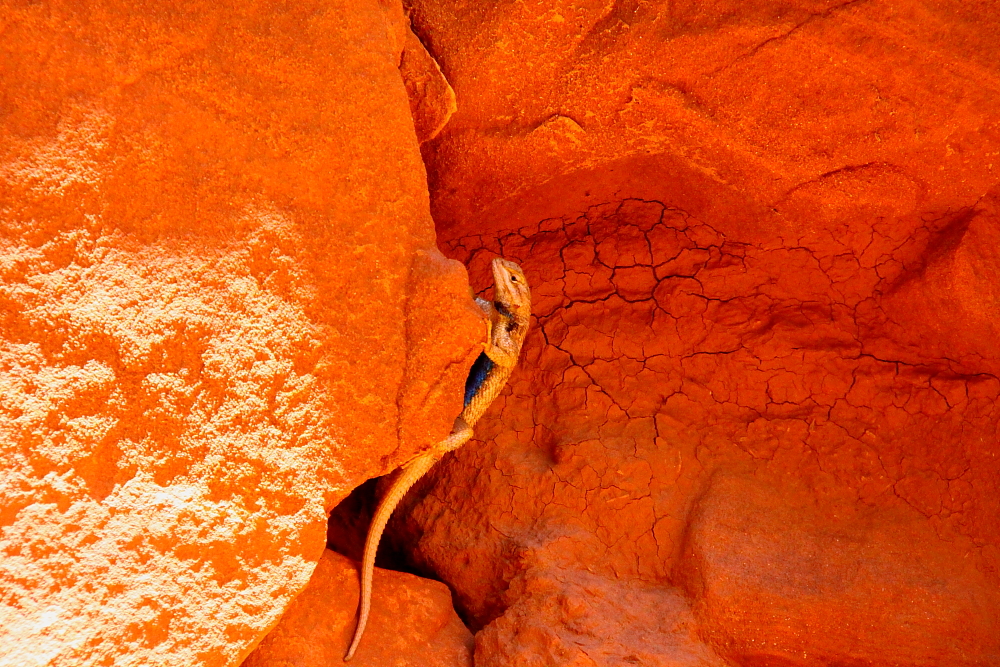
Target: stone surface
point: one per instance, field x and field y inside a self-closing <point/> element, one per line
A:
<point x="762" y="380"/>
<point x="788" y="579"/>
<point x="413" y="623"/>
<point x="562" y="616"/>
<point x="221" y="308"/>
<point x="432" y="100"/>
<point x="756" y="420"/>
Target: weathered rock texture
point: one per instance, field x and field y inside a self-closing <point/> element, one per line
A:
<point x="221" y="308"/>
<point x="756" y="419"/>
<point x="413" y="623"/>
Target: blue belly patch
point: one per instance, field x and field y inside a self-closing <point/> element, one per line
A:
<point x="477" y="376"/>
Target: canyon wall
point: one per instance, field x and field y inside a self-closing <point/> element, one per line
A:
<point x="756" y="418"/>
<point x="221" y="308"/>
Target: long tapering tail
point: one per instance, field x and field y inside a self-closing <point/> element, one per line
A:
<point x="411" y="472"/>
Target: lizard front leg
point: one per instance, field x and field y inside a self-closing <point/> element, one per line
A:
<point x="501" y="348"/>
<point x="491" y="314"/>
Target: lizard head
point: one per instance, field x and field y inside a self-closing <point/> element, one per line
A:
<point x="510" y="289"/>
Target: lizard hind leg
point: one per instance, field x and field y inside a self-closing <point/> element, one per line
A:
<point x="461" y="433"/>
<point x="412" y="471"/>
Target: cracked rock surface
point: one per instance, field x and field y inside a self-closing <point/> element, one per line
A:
<point x="756" y="419"/>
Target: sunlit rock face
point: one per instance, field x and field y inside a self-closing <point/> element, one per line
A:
<point x="756" y="416"/>
<point x="221" y="308"/>
<point x="755" y="420"/>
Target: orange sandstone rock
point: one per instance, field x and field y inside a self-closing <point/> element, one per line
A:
<point x="432" y="100"/>
<point x="413" y="622"/>
<point x="572" y="617"/>
<point x="794" y="579"/>
<point x="221" y="308"/>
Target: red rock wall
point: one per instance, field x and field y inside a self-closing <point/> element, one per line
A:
<point x="756" y="417"/>
<point x="221" y="308"/>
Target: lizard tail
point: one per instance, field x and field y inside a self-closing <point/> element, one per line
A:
<point x="412" y="471"/>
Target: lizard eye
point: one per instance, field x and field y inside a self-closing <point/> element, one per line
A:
<point x="513" y="279"/>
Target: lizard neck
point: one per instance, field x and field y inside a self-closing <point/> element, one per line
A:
<point x="509" y="315"/>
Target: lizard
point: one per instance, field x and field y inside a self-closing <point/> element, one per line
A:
<point x="507" y="320"/>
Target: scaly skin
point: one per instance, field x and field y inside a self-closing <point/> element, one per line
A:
<point x="508" y="318"/>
